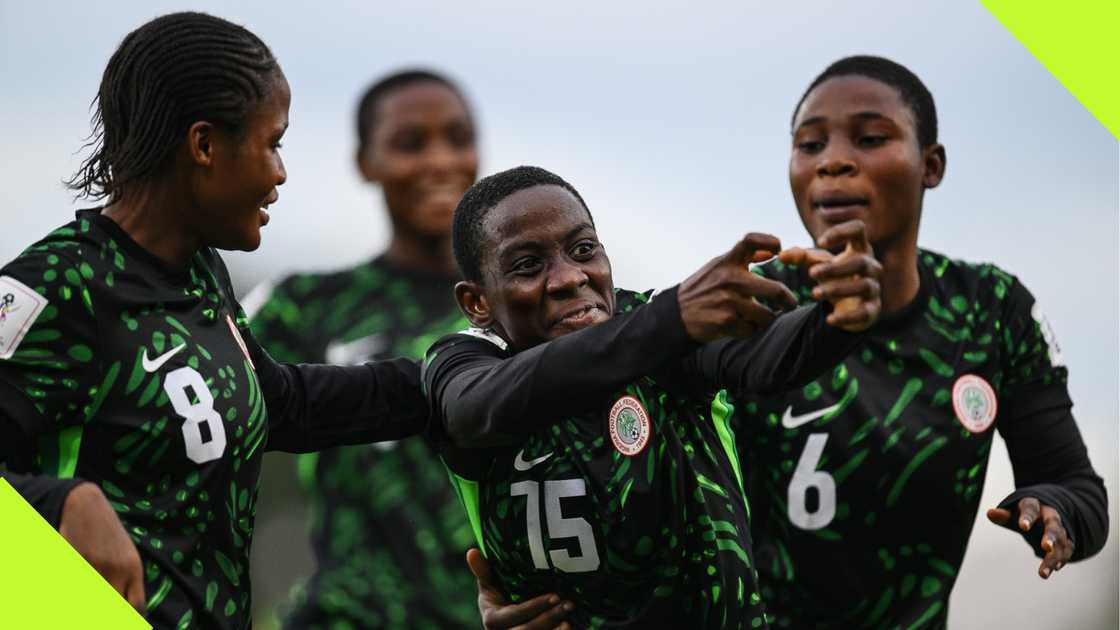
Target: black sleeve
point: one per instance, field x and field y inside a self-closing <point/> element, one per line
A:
<point x="45" y="493"/>
<point x="312" y="407"/>
<point x="485" y="397"/>
<point x="796" y="348"/>
<point x="1048" y="456"/>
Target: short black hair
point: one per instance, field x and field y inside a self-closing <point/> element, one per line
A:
<point x="913" y="92"/>
<point x="466" y="230"/>
<point x="366" y="116"/>
<point x="169" y="73"/>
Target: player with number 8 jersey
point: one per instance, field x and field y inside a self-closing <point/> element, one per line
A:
<point x="146" y="379"/>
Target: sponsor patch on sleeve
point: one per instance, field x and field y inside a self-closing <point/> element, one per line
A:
<point x="19" y="306"/>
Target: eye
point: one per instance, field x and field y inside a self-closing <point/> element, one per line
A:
<point x="526" y="266"/>
<point x="410" y="141"/>
<point x="461" y="136"/>
<point x="584" y="250"/>
<point x="276" y="146"/>
<point x="872" y="140"/>
<point x="810" y="146"/>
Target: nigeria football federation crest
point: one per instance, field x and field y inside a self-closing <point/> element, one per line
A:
<point x="629" y="426"/>
<point x="974" y="402"/>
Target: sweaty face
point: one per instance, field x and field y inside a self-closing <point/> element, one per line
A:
<point x="245" y="174"/>
<point x="856" y="156"/>
<point x="422" y="152"/>
<point x="544" y="272"/>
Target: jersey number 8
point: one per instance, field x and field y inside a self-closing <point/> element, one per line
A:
<point x="199" y="449"/>
<point x="558" y="526"/>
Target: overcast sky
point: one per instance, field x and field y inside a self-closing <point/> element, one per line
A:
<point x="672" y="121"/>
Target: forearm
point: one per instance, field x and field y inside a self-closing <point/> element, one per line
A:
<point x="798" y="347"/>
<point x="487" y="401"/>
<point x="1051" y="463"/>
<point x="312" y="407"/>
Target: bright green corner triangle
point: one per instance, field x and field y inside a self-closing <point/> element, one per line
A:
<point x="44" y="583"/>
<point x="1077" y="41"/>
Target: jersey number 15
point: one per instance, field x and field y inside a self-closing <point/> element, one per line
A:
<point x="558" y="527"/>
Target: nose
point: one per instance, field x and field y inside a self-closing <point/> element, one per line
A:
<point x="442" y="157"/>
<point x="281" y="172"/>
<point x="836" y="160"/>
<point x="565" y="277"/>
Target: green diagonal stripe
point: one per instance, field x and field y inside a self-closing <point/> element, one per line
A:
<point x="1077" y="42"/>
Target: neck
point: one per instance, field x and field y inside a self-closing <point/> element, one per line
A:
<point x="153" y="217"/>
<point x="900" y="282"/>
<point x="425" y="255"/>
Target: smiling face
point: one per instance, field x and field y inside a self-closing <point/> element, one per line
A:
<point x="544" y="272"/>
<point x="856" y="156"/>
<point x="244" y="171"/>
<point x="422" y="153"/>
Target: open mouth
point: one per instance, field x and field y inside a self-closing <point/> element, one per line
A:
<point x="836" y="208"/>
<point x="581" y="316"/>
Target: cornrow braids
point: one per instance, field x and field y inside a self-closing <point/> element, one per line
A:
<point x="166" y="75"/>
<point x="913" y="92"/>
<point x="367" y="107"/>
<point x="466" y="230"/>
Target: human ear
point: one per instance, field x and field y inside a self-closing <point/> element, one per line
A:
<point x="933" y="163"/>
<point x="366" y="165"/>
<point x="473" y="303"/>
<point x="200" y="143"/>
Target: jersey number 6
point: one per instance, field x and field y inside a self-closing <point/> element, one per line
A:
<point x="558" y="526"/>
<point x="199" y="449"/>
<point x="807" y="476"/>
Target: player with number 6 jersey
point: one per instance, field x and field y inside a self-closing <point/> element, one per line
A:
<point x="584" y="447"/>
<point x="866" y="482"/>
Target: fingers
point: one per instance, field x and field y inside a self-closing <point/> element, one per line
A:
<point x="1055" y="542"/>
<point x="478" y="565"/>
<point x="999" y="516"/>
<point x="802" y="257"/>
<point x="1028" y="513"/>
<point x="134" y="593"/>
<point x="773" y="292"/>
<point x="852" y="234"/>
<point x="543" y="612"/>
<point x="754" y="247"/>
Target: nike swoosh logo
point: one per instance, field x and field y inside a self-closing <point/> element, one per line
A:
<point x="157" y="363"/>
<point x="519" y="462"/>
<point x="791" y="421"/>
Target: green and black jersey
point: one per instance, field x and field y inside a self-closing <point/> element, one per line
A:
<point x="146" y="381"/>
<point x="865" y="483"/>
<point x="624" y="493"/>
<point x="387" y="531"/>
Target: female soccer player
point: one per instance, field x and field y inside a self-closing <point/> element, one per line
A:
<point x="135" y="404"/>
<point x="388" y="532"/>
<point x="601" y="468"/>
<point x="866" y="482"/>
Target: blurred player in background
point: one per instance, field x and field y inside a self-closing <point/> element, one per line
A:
<point x="135" y="405"/>
<point x="387" y="532"/>
<point x="865" y="484"/>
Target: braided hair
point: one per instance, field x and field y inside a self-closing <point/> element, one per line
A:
<point x="166" y="75"/>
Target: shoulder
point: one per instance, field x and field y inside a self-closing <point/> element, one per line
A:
<point x="473" y="340"/>
<point x="963" y="283"/>
<point x="305" y="287"/>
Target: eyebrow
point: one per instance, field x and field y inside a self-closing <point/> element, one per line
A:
<point x="867" y="115"/>
<point x="524" y="245"/>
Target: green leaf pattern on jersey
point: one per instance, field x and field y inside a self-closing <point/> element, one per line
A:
<point x="893" y="448"/>
<point x="105" y="417"/>
<point x="389" y="553"/>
